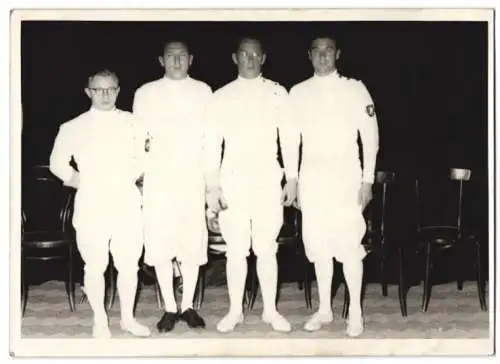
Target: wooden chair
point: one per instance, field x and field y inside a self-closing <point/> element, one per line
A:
<point x="47" y="233"/>
<point x="440" y="227"/>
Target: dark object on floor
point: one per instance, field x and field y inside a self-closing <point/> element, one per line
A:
<point x="167" y="322"/>
<point x="192" y="319"/>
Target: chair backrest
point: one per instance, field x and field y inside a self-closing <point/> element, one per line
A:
<point x="45" y="202"/>
<point x="376" y="211"/>
<point x="440" y="198"/>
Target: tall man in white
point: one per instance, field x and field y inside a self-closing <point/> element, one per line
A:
<point x="108" y="149"/>
<point x="248" y="114"/>
<point x="171" y="109"/>
<point x="330" y="110"/>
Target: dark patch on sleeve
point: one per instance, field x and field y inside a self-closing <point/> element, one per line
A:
<point x="370" y="110"/>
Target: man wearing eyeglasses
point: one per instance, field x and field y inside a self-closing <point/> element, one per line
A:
<point x="330" y="110"/>
<point x="171" y="110"/>
<point x="248" y="115"/>
<point x="108" y="150"/>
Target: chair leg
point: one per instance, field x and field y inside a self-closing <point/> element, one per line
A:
<point x="383" y="280"/>
<point x="347" y="300"/>
<point x="254" y="284"/>
<point x="83" y="298"/>
<point x="24" y="292"/>
<point x="112" y="287"/>
<point x="70" y="284"/>
<point x="402" y="287"/>
<point x="278" y="290"/>
<point x="159" y="297"/>
<point x="427" y="280"/>
<point x="200" y="289"/>
<point x="459" y="263"/>
<point x="307" y="285"/>
<point x="307" y="277"/>
<point x="138" y="292"/>
<point x="480" y="278"/>
<point x="335" y="282"/>
<point x="363" y="293"/>
<point x="298" y="254"/>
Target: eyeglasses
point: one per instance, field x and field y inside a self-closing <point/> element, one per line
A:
<point x="102" y="91"/>
<point x="248" y="55"/>
<point x="181" y="56"/>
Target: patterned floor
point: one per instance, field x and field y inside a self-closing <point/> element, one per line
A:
<point x="451" y="314"/>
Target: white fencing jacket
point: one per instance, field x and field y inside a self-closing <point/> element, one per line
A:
<point x="249" y="114"/>
<point x="329" y="111"/>
<point x="108" y="149"/>
<point x="171" y="113"/>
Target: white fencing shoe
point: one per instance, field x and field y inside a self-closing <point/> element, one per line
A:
<point x="355" y="326"/>
<point x="317" y="320"/>
<point x="229" y="322"/>
<point x="277" y="321"/>
<point x="101" y="332"/>
<point x="135" y="328"/>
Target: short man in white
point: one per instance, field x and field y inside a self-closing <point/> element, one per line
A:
<point x="330" y="110"/>
<point x="171" y="110"/>
<point x="248" y="114"/>
<point x="106" y="146"/>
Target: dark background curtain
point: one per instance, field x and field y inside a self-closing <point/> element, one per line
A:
<point x="428" y="81"/>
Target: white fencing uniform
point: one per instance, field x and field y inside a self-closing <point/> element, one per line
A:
<point x="329" y="112"/>
<point x="109" y="152"/>
<point x="247" y="114"/>
<point x="174" y="186"/>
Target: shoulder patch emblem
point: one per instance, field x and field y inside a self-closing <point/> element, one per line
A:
<point x="370" y="110"/>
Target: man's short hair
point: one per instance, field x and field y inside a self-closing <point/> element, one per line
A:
<point x="332" y="38"/>
<point x="251" y="40"/>
<point x="178" y="41"/>
<point x="103" y="73"/>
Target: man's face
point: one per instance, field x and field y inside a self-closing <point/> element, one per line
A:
<point x="323" y="55"/>
<point x="249" y="58"/>
<point x="103" y="92"/>
<point x="176" y="60"/>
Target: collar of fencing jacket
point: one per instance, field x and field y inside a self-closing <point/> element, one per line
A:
<point x="103" y="113"/>
<point x="329" y="77"/>
<point x="257" y="79"/>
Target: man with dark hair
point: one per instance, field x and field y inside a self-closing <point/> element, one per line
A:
<point x="330" y="110"/>
<point x="107" y="147"/>
<point x="248" y="114"/>
<point x="171" y="110"/>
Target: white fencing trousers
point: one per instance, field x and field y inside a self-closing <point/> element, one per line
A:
<point x="253" y="219"/>
<point x="124" y="240"/>
<point x="333" y="225"/>
<point x="175" y="222"/>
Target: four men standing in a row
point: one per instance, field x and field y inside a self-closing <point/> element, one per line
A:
<point x="185" y="126"/>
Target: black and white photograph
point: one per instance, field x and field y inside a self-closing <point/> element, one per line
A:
<point x="310" y="183"/>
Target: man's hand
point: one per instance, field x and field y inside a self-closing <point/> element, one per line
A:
<point x="74" y="181"/>
<point x="365" y="194"/>
<point x="289" y="193"/>
<point x="215" y="199"/>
